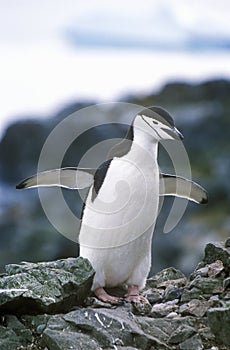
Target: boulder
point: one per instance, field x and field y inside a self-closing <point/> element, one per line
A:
<point x="45" y="287"/>
<point x="218" y="251"/>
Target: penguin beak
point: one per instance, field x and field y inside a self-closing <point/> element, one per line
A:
<point x="178" y="134"/>
<point x="174" y="133"/>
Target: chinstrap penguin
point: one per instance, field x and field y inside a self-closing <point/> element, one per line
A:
<point x="122" y="203"/>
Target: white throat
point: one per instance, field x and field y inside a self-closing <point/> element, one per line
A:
<point x="144" y="142"/>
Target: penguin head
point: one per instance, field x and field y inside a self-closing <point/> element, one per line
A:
<point x="159" y="123"/>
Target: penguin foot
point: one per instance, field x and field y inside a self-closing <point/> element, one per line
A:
<point x="134" y="296"/>
<point x="102" y="295"/>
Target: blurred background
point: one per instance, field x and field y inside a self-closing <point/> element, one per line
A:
<point x="59" y="56"/>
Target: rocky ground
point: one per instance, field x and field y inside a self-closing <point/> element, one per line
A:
<point x="48" y="306"/>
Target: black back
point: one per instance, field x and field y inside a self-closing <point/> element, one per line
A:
<point x="99" y="177"/>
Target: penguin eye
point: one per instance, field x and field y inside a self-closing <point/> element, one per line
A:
<point x="154" y="122"/>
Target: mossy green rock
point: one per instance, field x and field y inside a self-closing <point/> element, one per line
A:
<point x="46" y="286"/>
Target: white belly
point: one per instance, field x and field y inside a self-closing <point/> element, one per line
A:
<point x="117" y="226"/>
<point x="128" y="263"/>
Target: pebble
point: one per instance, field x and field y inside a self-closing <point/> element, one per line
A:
<point x="163" y="309"/>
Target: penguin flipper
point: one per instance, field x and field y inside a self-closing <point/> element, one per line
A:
<point x="172" y="185"/>
<point x="72" y="178"/>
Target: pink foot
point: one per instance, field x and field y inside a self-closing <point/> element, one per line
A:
<point x="102" y="295"/>
<point x="134" y="296"/>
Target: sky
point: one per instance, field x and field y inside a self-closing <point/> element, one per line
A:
<point x="56" y="52"/>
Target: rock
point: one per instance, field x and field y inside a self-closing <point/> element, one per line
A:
<point x="185" y="314"/>
<point x="181" y="334"/>
<point x="193" y="343"/>
<point x="15" y="335"/>
<point x="162" y="328"/>
<point x="23" y="333"/>
<point x="45" y="287"/>
<point x="207" y="286"/>
<point x="202" y="287"/>
<point x="200" y="271"/>
<point x="210" y="270"/>
<point x="166" y="285"/>
<point x="59" y="335"/>
<point x="195" y="307"/>
<point x="8" y="339"/>
<point x="227" y="298"/>
<point x="218" y="251"/>
<point x="112" y="328"/>
<point x="227" y="243"/>
<point x="172" y="314"/>
<point x="154" y="295"/>
<point x="166" y="276"/>
<point x="207" y="337"/>
<point x="163" y="309"/>
<point x="141" y="307"/>
<point x="226" y="283"/>
<point x="172" y="292"/>
<point x="219" y="322"/>
<point x="189" y="294"/>
<point x="215" y="269"/>
<point x="93" y="302"/>
<point x="214" y="301"/>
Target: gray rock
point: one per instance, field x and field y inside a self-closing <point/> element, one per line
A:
<point x="154" y="295"/>
<point x="202" y="287"/>
<point x="215" y="269"/>
<point x="141" y="307"/>
<point x="207" y="286"/>
<point x="227" y="242"/>
<point x="15" y="335"/>
<point x="95" y="303"/>
<point x="126" y="348"/>
<point x="24" y="334"/>
<point x="227" y="296"/>
<point x="45" y="287"/>
<point x="182" y="333"/>
<point x="194" y="307"/>
<point x="218" y="251"/>
<point x="162" y="328"/>
<point x="172" y="292"/>
<point x="201" y="271"/>
<point x="226" y="283"/>
<point x="60" y="335"/>
<point x="166" y="276"/>
<point x="219" y="322"/>
<point x="112" y="328"/>
<point x="207" y="337"/>
<point x="8" y="339"/>
<point x="193" y="343"/>
<point x="190" y="294"/>
<point x="214" y="301"/>
<point x="163" y="309"/>
<point x="170" y="279"/>
<point x="209" y="270"/>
